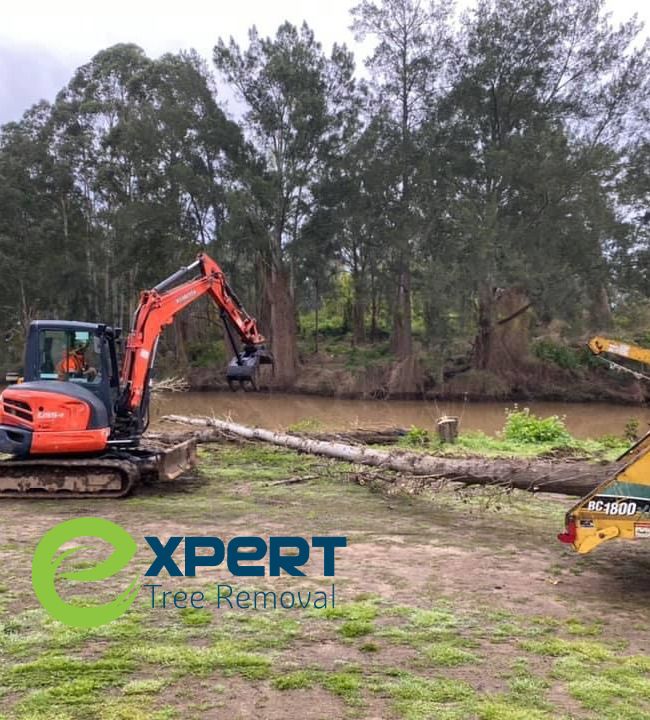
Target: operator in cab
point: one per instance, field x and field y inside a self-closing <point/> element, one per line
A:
<point x="74" y="364"/>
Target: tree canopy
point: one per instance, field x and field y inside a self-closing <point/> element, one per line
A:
<point x="485" y="166"/>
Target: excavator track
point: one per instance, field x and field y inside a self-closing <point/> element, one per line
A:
<point x="68" y="478"/>
<point x="112" y="475"/>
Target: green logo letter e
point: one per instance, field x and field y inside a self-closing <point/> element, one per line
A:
<point x="46" y="563"/>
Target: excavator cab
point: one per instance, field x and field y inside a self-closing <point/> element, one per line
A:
<point x="67" y="400"/>
<point x="75" y="352"/>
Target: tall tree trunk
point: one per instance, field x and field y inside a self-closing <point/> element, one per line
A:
<point x="600" y="311"/>
<point x="180" y="331"/>
<point x="483" y="343"/>
<point x="358" y="308"/>
<point x="503" y="336"/>
<point x="263" y="305"/>
<point x="316" y="316"/>
<point x="374" y="309"/>
<point x="283" y="327"/>
<point x="402" y="340"/>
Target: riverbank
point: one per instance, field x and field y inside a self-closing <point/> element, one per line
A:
<point x="330" y="376"/>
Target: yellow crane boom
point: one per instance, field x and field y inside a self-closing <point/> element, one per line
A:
<point x="599" y="345"/>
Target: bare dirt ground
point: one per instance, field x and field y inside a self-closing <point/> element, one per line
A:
<point x="449" y="605"/>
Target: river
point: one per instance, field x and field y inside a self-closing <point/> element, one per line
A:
<point x="278" y="411"/>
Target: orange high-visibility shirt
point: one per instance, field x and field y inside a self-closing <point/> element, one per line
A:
<point x="71" y="363"/>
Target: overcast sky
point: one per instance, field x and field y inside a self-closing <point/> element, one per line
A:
<point x="42" y="42"/>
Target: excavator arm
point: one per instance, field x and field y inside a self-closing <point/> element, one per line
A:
<point x="159" y="306"/>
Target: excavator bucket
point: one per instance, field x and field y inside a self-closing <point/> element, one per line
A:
<point x="618" y="508"/>
<point x="242" y="369"/>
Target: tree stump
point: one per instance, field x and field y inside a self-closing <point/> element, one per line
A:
<point x="448" y="429"/>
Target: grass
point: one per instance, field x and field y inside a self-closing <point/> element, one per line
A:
<point x="446" y="654"/>
<point x="229" y="656"/>
<point x="523" y="435"/>
<point x="558" y="647"/>
<point x="478" y="443"/>
<point x="398" y="637"/>
<point x="346" y="684"/>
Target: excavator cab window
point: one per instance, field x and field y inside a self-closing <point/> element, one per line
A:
<point x="71" y="355"/>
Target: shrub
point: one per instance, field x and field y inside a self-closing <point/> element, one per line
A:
<point x="610" y="442"/>
<point x="561" y="355"/>
<point x="525" y="427"/>
<point x="207" y="355"/>
<point x="417" y="437"/>
<point x="306" y="425"/>
<point x="564" y="356"/>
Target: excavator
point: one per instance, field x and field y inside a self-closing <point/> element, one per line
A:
<point x="620" y="506"/>
<point x="73" y="425"/>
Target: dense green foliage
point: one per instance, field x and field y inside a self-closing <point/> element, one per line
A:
<point x="525" y="427"/>
<point x="491" y="172"/>
<point x="524" y="434"/>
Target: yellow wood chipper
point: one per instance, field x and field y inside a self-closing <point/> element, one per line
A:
<point x="620" y="506"/>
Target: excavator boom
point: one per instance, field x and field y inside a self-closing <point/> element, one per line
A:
<point x="159" y="306"/>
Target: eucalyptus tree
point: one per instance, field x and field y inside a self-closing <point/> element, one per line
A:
<point x="299" y="108"/>
<point x="544" y="93"/>
<point x="631" y="253"/>
<point x="95" y="118"/>
<point x="153" y="156"/>
<point x="39" y="215"/>
<point x="408" y="66"/>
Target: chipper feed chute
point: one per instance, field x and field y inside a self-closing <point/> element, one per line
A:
<point x="618" y="508"/>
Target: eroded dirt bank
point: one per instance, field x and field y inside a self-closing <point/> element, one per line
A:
<point x="320" y="375"/>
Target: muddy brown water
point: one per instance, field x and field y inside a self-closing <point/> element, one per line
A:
<point x="278" y="411"/>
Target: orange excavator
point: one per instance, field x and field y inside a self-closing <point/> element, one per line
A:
<point x="74" y="425"/>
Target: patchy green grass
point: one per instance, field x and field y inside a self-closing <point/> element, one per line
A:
<point x="306" y="425"/>
<point x="478" y="443"/>
<point x="523" y="435"/>
<point x="401" y="637"/>
<point x="345" y="683"/>
<point x="557" y="647"/>
<point x="297" y="680"/>
<point x="446" y="654"/>
<point x="229" y="656"/>
<point x="417" y="697"/>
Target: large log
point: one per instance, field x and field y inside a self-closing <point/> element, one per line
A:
<point x="359" y="435"/>
<point x="555" y="476"/>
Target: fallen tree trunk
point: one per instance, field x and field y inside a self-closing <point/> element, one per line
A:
<point x="366" y="437"/>
<point x="567" y="477"/>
